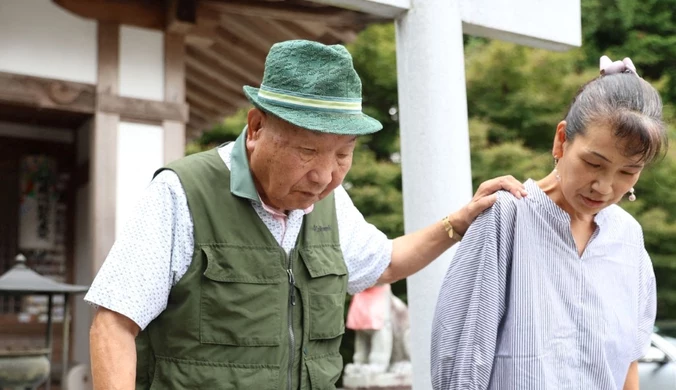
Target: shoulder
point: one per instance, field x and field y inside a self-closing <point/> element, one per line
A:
<point x="166" y="181"/>
<point x="342" y="198"/>
<point x="505" y="207"/>
<point x="624" y="225"/>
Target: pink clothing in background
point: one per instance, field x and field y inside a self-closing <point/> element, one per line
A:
<point x="367" y="309"/>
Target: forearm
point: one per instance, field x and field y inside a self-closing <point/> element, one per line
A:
<point x="113" y="352"/>
<point x="632" y="382"/>
<point x="414" y="251"/>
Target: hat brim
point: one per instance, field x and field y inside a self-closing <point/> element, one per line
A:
<point x="325" y="122"/>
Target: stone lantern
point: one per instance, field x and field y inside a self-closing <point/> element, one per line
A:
<point x="28" y="368"/>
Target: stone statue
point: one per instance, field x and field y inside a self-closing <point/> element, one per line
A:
<point x="381" y="355"/>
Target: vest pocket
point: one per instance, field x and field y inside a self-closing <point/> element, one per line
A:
<point x="326" y="316"/>
<point x="326" y="291"/>
<point x="324" y="371"/>
<point x="172" y="373"/>
<point x="242" y="294"/>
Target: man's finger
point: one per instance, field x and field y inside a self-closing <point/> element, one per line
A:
<point x="515" y="187"/>
<point x="507" y="183"/>
<point x="480" y="205"/>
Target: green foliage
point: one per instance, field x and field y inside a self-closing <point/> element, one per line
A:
<point x="228" y="130"/>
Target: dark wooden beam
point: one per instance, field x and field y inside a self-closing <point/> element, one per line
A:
<point x="174" y="68"/>
<point x="147" y="13"/>
<point x="108" y="58"/>
<point x="174" y="92"/>
<point x="103" y="150"/>
<point x="82" y="174"/>
<point x="285" y="11"/>
<point x="142" y="109"/>
<point x="181" y="16"/>
<point x="41" y="92"/>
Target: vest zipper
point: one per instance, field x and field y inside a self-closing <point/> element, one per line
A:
<point x="292" y="339"/>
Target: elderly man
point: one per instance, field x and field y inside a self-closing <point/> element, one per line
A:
<point x="234" y="270"/>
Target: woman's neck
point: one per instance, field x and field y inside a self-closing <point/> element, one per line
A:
<point x="551" y="186"/>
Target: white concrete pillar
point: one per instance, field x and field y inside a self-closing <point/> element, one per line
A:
<point x="436" y="170"/>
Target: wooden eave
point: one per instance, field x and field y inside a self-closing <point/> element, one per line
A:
<point x="226" y="41"/>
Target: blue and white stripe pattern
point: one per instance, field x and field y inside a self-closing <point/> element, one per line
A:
<point x="519" y="309"/>
<point x="297" y="100"/>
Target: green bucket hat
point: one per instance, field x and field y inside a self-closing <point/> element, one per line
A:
<point x="313" y="86"/>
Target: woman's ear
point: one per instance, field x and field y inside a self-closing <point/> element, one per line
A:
<point x="559" y="140"/>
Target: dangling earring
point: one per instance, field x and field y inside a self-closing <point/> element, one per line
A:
<point x="632" y="196"/>
<point x="556" y="162"/>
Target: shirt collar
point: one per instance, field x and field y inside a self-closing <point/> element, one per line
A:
<point x="241" y="181"/>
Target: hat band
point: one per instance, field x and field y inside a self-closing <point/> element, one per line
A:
<point x="306" y="101"/>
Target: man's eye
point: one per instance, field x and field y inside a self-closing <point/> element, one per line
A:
<point x="592" y="165"/>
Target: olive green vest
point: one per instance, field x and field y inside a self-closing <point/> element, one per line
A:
<point x="245" y="315"/>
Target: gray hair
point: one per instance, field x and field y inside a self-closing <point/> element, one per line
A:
<point x="629" y="105"/>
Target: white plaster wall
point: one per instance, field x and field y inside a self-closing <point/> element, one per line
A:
<point x="140" y="152"/>
<point x="18" y="130"/>
<point x="39" y="38"/>
<point x="141" y="63"/>
<point x="83" y="254"/>
<point x="549" y="24"/>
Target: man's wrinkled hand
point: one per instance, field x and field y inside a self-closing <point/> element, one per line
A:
<point x="484" y="198"/>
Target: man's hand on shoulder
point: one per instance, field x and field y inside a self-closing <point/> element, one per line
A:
<point x="484" y="198"/>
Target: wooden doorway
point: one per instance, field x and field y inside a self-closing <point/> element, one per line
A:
<point x="24" y="140"/>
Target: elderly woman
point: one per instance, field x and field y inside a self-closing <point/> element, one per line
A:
<point x="557" y="291"/>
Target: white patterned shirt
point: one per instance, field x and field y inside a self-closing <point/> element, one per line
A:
<point x="521" y="309"/>
<point x="155" y="247"/>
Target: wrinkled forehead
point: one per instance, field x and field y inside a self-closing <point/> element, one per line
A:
<point x="288" y="133"/>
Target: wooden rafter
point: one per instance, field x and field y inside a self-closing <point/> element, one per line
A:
<point x="201" y="119"/>
<point x="285" y="11"/>
<point x="197" y="115"/>
<point x="205" y="82"/>
<point x="256" y="29"/>
<point x="238" y="46"/>
<point x="289" y="30"/>
<point x="205" y="99"/>
<point x="198" y="62"/>
<point x="205" y="113"/>
<point x="230" y="65"/>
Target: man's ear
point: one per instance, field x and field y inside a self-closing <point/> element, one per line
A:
<point x="255" y="120"/>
